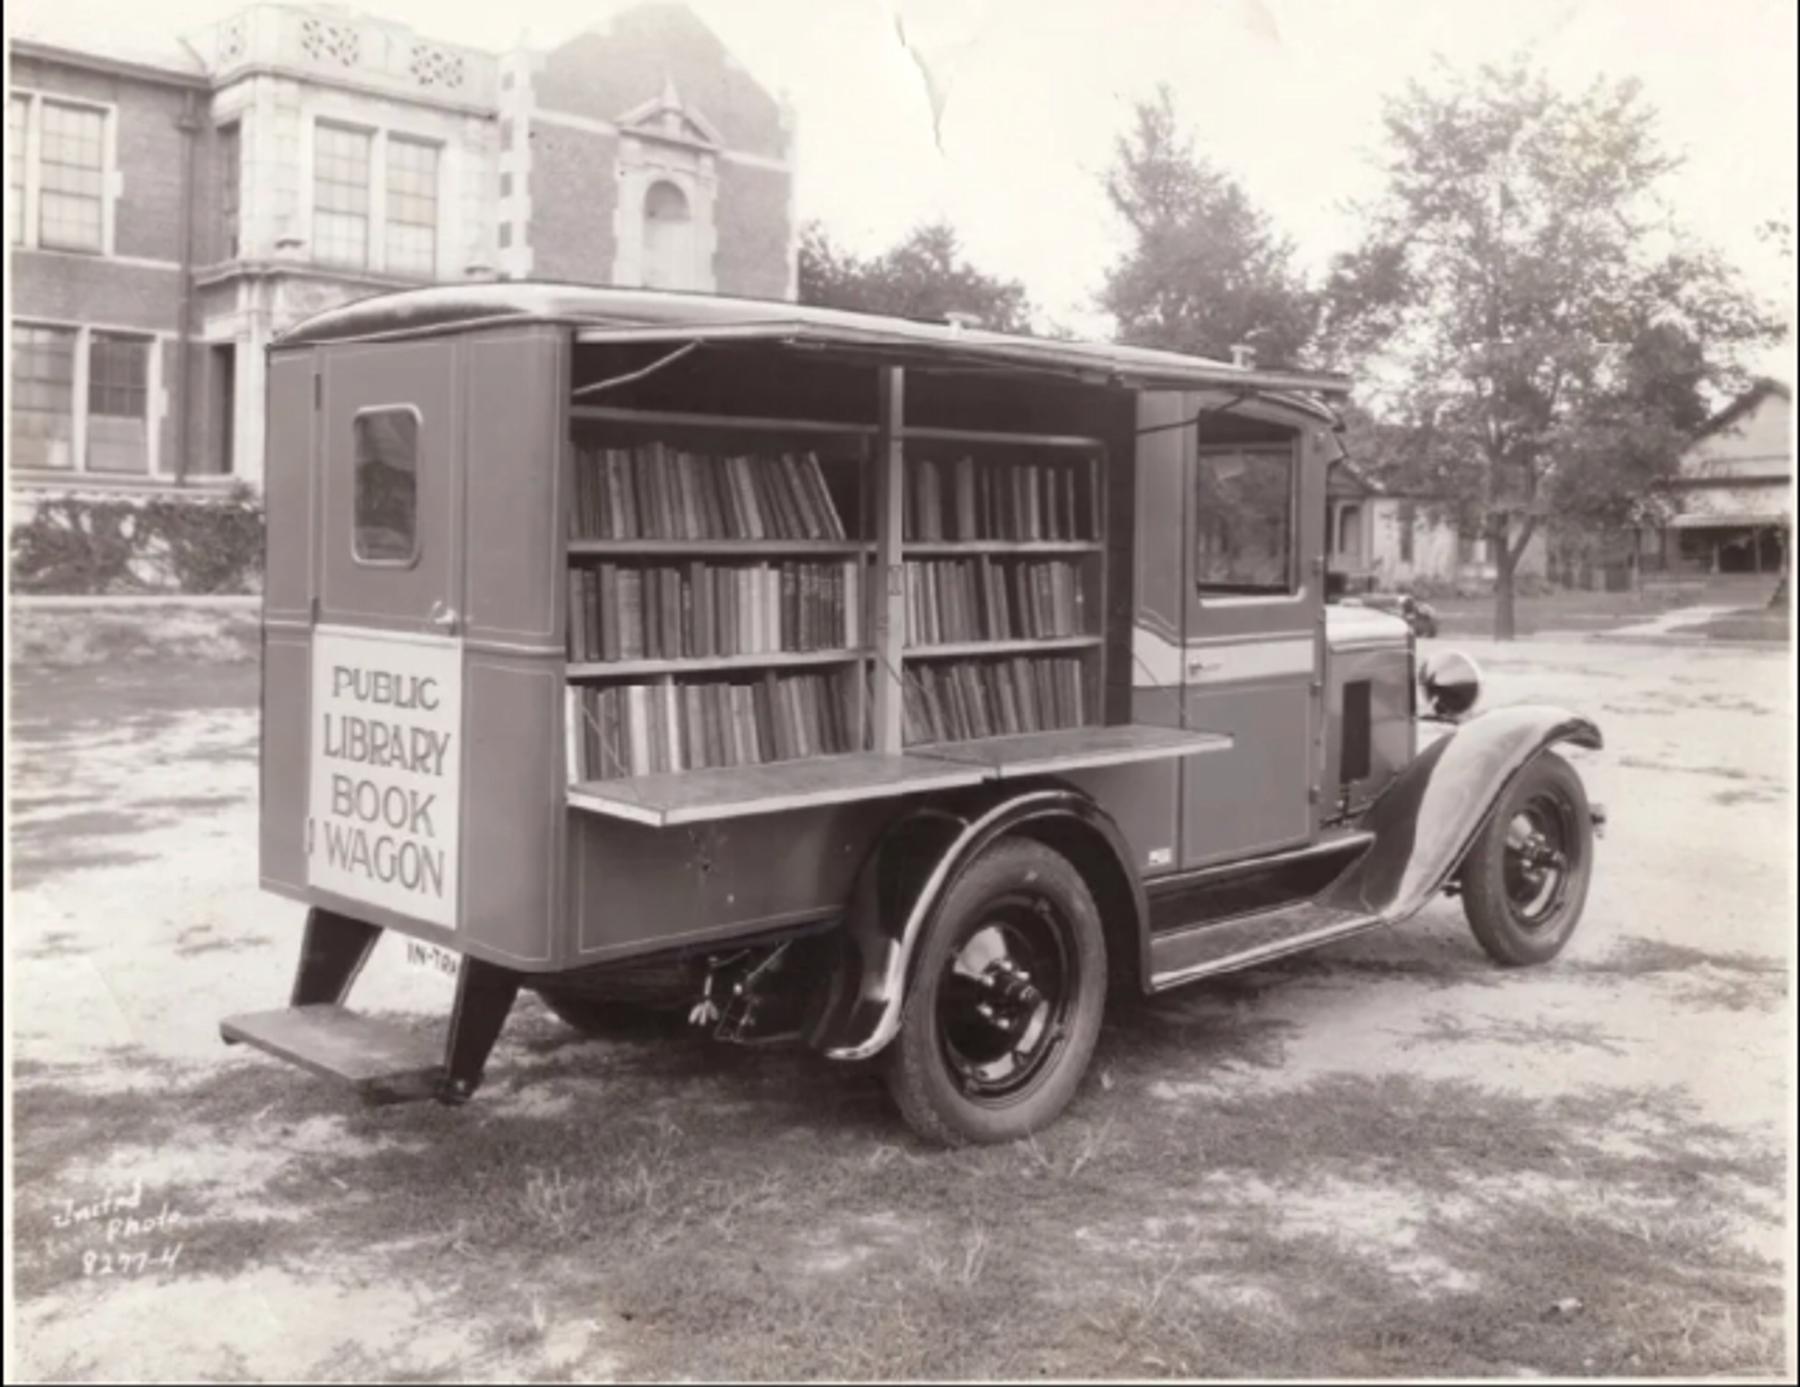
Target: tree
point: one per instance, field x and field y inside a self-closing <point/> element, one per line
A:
<point x="1206" y="269"/>
<point x="924" y="276"/>
<point x="1528" y="312"/>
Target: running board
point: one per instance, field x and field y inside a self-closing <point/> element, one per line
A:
<point x="382" y="1060"/>
<point x="1223" y="946"/>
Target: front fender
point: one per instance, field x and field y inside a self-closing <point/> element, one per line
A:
<point x="912" y="868"/>
<point x="1426" y="821"/>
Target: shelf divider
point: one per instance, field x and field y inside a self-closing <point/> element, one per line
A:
<point x="703" y="664"/>
<point x="684" y="419"/>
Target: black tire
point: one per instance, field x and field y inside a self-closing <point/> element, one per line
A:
<point x="996" y="1055"/>
<point x="1526" y="879"/>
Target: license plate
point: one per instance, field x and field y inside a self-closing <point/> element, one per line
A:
<point x="432" y="958"/>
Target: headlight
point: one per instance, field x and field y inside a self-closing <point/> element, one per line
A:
<point x="1451" y="683"/>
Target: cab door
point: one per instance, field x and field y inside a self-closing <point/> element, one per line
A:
<point x="1252" y="643"/>
<point x="385" y="732"/>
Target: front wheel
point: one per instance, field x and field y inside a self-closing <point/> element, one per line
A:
<point x="1526" y="879"/>
<point x="1005" y="1002"/>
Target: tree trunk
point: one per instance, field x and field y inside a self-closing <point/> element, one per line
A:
<point x="1505" y="624"/>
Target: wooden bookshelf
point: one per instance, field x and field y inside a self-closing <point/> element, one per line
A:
<point x="1009" y="539"/>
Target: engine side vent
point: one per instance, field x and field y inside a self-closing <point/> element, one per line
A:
<point x="1354" y="760"/>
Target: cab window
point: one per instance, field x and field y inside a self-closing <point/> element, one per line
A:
<point x="387" y="496"/>
<point x="1244" y="520"/>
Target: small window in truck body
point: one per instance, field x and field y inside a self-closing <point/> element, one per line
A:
<point x="1244" y="520"/>
<point x="387" y="495"/>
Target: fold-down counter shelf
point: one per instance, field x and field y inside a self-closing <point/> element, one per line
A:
<point x="1074" y="748"/>
<point x="685" y="797"/>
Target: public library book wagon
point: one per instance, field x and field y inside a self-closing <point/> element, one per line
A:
<point x="842" y="669"/>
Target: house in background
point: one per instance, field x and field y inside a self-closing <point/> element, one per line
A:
<point x="1733" y="492"/>
<point x="1381" y="539"/>
<point x="173" y="204"/>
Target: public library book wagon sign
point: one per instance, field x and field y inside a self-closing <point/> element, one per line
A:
<point x="385" y="756"/>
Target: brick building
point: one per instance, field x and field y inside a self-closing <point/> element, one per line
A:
<point x="171" y="207"/>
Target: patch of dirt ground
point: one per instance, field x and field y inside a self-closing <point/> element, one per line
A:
<point x="1386" y="1158"/>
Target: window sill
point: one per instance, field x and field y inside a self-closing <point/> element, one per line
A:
<point x="46" y="479"/>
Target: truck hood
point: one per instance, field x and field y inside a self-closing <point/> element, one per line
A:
<point x="1363" y="628"/>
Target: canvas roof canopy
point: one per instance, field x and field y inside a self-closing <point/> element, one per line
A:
<point x="603" y="315"/>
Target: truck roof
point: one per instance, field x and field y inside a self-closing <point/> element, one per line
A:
<point x="646" y="315"/>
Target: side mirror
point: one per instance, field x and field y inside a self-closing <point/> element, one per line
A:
<point x="1451" y="683"/>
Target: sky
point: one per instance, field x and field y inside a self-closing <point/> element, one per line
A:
<point x="1284" y="94"/>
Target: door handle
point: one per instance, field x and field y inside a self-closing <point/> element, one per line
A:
<point x="1198" y="666"/>
<point x="443" y="616"/>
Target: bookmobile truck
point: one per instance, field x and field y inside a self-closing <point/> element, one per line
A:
<point x="895" y="688"/>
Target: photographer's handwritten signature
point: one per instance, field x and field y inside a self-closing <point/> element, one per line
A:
<point x="117" y="1233"/>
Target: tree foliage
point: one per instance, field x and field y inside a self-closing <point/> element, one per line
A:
<point x="1206" y="269"/>
<point x="925" y="276"/>
<point x="1525" y="310"/>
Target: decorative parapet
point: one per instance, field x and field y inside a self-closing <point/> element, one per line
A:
<point x="347" y="46"/>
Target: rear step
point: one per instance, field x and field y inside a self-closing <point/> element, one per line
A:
<point x="382" y="1060"/>
<point x="385" y="1062"/>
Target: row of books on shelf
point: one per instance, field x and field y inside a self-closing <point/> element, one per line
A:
<point x="643" y="729"/>
<point x="963" y="699"/>
<point x="995" y="500"/>
<point x="976" y="599"/>
<point x="658" y="491"/>
<point x="699" y="610"/>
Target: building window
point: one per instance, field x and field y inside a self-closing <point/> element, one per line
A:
<point x="412" y="206"/>
<point x="43" y="397"/>
<point x="118" y="429"/>
<point x="506" y="185"/>
<point x="231" y="172"/>
<point x="1245" y="527"/>
<point x="56" y="171"/>
<point x="1408" y="520"/>
<point x="387" y="502"/>
<point x="668" y="238"/>
<point x="341" y="161"/>
<point x="72" y="176"/>
<point x="18" y="120"/>
<point x="505" y="235"/>
<point x="1349" y="532"/>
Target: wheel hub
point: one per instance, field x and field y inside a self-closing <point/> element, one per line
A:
<point x="1004" y="997"/>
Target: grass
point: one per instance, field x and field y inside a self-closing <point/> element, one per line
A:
<point x="62" y="638"/>
<point x="1556" y="610"/>
<point x="1749" y="624"/>
<point x="1715" y="980"/>
<point x="720" y="1213"/>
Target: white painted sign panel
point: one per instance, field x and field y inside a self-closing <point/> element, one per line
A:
<point x="384" y="810"/>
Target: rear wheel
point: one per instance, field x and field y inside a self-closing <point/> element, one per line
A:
<point x="1526" y="879"/>
<point x="1004" y="1007"/>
